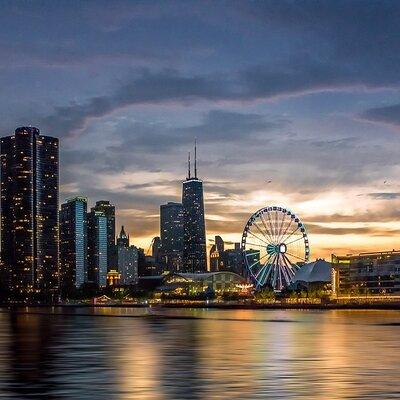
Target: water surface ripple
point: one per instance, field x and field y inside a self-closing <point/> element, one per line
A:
<point x="199" y="354"/>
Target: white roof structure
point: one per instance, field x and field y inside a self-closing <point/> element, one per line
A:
<point x="317" y="271"/>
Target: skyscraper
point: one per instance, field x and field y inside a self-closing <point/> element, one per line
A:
<point x="97" y="247"/>
<point x="194" y="231"/>
<point x="128" y="258"/>
<point x="171" y="233"/>
<point x="73" y="244"/>
<point x="109" y="211"/>
<point x="29" y="212"/>
<point x="216" y="254"/>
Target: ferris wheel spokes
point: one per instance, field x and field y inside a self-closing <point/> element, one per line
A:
<point x="274" y="244"/>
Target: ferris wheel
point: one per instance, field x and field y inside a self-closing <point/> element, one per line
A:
<point x="274" y="246"/>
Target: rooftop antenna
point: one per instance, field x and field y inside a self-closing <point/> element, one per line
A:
<point x="189" y="165"/>
<point x="195" y="157"/>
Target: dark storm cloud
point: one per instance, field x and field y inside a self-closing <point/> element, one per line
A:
<point x="387" y="115"/>
<point x="332" y="46"/>
<point x="146" y="88"/>
<point x="255" y="83"/>
<point x="151" y="185"/>
<point x="215" y="126"/>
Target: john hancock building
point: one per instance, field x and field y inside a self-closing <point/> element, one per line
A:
<point x="194" y="230"/>
<point x="29" y="213"/>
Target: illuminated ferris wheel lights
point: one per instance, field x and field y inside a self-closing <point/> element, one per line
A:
<point x="274" y="244"/>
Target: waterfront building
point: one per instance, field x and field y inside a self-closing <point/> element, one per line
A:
<point x="29" y="213"/>
<point x="211" y="282"/>
<point x="109" y="211"/>
<point x="128" y="259"/>
<point x="194" y="232"/>
<point x="171" y="233"/>
<point x="113" y="278"/>
<point x="73" y="244"/>
<point x="313" y="275"/>
<point x="97" y="247"/>
<point x="366" y="274"/>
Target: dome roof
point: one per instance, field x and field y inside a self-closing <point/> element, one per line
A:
<point x="317" y="271"/>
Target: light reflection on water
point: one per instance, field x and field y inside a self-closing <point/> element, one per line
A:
<point x="218" y="354"/>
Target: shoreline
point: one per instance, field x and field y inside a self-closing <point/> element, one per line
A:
<point x="220" y="306"/>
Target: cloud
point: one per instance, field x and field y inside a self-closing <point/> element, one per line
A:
<point x="146" y="88"/>
<point x="384" y="195"/>
<point x="316" y="229"/>
<point x="260" y="82"/>
<point x="386" y="115"/>
<point x="216" y="127"/>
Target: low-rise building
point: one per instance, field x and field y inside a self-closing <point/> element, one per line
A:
<point x="366" y="274"/>
<point x="217" y="282"/>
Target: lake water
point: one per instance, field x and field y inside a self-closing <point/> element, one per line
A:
<point x="117" y="353"/>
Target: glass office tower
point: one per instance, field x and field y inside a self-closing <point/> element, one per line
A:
<point x="171" y="233"/>
<point x="109" y="211"/>
<point x="97" y="247"/>
<point x="73" y="243"/>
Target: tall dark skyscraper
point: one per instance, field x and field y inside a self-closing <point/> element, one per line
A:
<point x="97" y="247"/>
<point x="109" y="211"/>
<point x="73" y="244"/>
<point x="194" y="230"/>
<point x="29" y="212"/>
<point x="171" y="233"/>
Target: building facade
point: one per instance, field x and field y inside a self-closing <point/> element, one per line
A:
<point x="128" y="260"/>
<point x="97" y="247"/>
<point x="217" y="282"/>
<point x="29" y="212"/>
<point x="109" y="211"/>
<point x="73" y="244"/>
<point x="171" y="234"/>
<point x="216" y="254"/>
<point x="366" y="274"/>
<point x="194" y="229"/>
<point x="222" y="259"/>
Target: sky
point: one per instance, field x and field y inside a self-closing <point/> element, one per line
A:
<point x="304" y="94"/>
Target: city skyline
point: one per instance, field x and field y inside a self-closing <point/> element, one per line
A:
<point x="288" y="109"/>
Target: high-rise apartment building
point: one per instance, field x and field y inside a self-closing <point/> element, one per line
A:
<point x="73" y="244"/>
<point x="29" y="213"/>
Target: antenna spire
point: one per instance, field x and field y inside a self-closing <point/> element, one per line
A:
<point x="195" y="157"/>
<point x="189" y="165"/>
